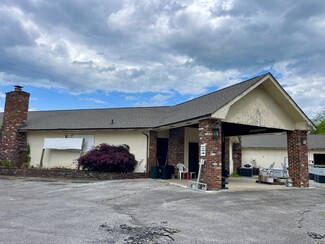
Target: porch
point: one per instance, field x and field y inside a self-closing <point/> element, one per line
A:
<point x="236" y="184"/>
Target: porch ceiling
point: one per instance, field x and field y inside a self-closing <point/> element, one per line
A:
<point x="231" y="129"/>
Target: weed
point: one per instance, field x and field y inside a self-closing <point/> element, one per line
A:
<point x="235" y="174"/>
<point x="6" y="163"/>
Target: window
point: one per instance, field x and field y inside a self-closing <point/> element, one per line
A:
<point x="319" y="159"/>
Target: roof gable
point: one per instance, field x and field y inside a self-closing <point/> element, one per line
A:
<point x="265" y="104"/>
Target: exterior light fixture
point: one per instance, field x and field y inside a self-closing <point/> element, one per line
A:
<point x="216" y="131"/>
<point x="303" y="141"/>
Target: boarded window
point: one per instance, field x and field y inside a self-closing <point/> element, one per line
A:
<point x="88" y="143"/>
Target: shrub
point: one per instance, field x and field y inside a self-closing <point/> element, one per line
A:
<point x="108" y="158"/>
<point x="26" y="164"/>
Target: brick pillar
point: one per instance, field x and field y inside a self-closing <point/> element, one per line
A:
<point x="152" y="160"/>
<point x="227" y="155"/>
<point x="211" y="170"/>
<point x="298" y="157"/>
<point x="236" y="155"/>
<point x="176" y="146"/>
<point x="13" y="144"/>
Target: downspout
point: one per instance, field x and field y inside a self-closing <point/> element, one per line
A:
<point x="147" y="153"/>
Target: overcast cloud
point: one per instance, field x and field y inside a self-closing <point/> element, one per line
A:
<point x="165" y="48"/>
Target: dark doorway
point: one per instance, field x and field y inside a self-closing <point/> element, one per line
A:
<point x="162" y="151"/>
<point x="319" y="159"/>
<point x="193" y="157"/>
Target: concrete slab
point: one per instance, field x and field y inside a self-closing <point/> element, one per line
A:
<point x="235" y="184"/>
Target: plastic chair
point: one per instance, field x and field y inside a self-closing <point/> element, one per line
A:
<point x="182" y="169"/>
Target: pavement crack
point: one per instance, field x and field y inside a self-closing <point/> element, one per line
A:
<point x="302" y="217"/>
<point x="141" y="234"/>
<point x="313" y="234"/>
<point x="123" y="195"/>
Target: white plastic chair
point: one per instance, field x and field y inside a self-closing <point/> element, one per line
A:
<point x="182" y="169"/>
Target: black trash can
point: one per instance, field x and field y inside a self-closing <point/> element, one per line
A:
<point x="165" y="172"/>
<point x="256" y="171"/>
<point x="248" y="172"/>
<point x="154" y="172"/>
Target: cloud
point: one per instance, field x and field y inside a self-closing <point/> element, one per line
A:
<point x="156" y="100"/>
<point x="93" y="100"/>
<point x="173" y="47"/>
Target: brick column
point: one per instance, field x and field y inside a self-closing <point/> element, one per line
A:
<point x="152" y="160"/>
<point x="236" y="155"/>
<point x="227" y="155"/>
<point x="13" y="144"/>
<point x="211" y="170"/>
<point x="298" y="157"/>
<point x="176" y="146"/>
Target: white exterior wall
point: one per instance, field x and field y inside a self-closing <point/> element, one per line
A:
<point x="136" y="140"/>
<point x="264" y="157"/>
<point x="260" y="109"/>
<point x="191" y="135"/>
<point x="311" y="154"/>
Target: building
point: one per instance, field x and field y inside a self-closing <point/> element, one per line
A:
<point x="202" y="128"/>
<point x="263" y="150"/>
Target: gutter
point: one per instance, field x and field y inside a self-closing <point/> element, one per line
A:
<point x="147" y="153"/>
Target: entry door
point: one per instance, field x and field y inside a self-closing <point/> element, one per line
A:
<point x="193" y="157"/>
<point x="162" y="150"/>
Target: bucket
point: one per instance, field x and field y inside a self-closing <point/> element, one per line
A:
<point x="166" y="172"/>
<point x="154" y="172"/>
<point x="289" y="182"/>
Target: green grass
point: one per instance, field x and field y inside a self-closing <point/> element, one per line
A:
<point x="235" y="174"/>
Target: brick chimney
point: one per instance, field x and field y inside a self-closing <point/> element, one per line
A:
<point x="13" y="144"/>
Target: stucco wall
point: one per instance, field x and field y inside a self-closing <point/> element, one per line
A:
<point x="264" y="157"/>
<point x="59" y="158"/>
<point x="260" y="109"/>
<point x="312" y="152"/>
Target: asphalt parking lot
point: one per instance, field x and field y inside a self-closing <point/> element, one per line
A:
<point x="148" y="211"/>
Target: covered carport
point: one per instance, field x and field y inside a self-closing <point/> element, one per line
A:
<point x="259" y="105"/>
<point x="263" y="108"/>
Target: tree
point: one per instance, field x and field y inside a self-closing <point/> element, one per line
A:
<point x="319" y="117"/>
<point x="320" y="129"/>
<point x="319" y="121"/>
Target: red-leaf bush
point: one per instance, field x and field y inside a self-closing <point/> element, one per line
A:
<point x="108" y="158"/>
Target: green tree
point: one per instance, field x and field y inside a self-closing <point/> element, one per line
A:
<point x="320" y="129"/>
<point x="319" y="121"/>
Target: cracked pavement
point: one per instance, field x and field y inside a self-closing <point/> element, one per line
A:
<point x="148" y="211"/>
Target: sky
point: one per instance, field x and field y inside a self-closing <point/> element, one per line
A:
<point x="74" y="54"/>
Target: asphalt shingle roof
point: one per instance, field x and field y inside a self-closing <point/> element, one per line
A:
<point x="131" y="118"/>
